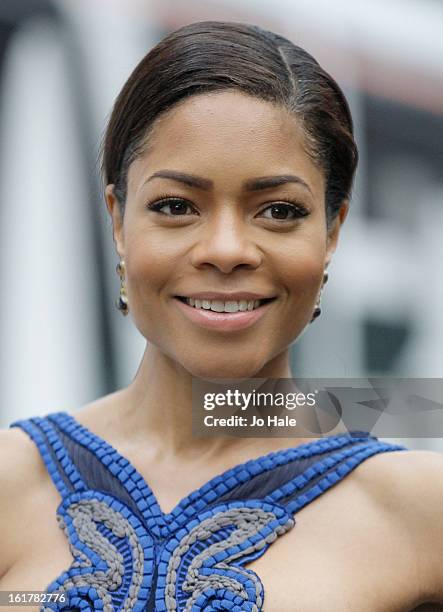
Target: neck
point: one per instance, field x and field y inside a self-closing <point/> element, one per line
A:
<point x="158" y="405"/>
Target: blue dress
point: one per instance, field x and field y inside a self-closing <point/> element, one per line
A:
<point x="129" y="555"/>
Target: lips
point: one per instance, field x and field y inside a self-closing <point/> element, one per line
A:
<point x="220" y="319"/>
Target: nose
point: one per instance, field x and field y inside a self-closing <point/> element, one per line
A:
<point x="226" y="243"/>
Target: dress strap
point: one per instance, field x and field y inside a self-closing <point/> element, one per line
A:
<point x="50" y="442"/>
<point x="298" y="492"/>
<point x="295" y="477"/>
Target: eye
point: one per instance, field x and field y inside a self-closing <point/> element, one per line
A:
<point x="177" y="206"/>
<point x="285" y="211"/>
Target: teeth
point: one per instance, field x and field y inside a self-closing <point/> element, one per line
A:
<point x="220" y="306"/>
<point x="232" y="306"/>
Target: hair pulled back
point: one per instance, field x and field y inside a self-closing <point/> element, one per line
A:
<point x="211" y="56"/>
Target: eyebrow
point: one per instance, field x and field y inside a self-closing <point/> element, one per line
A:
<point x="254" y="184"/>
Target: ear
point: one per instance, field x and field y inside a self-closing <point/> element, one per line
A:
<point x="334" y="231"/>
<point x="113" y="207"/>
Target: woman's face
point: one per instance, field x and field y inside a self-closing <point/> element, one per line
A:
<point x="228" y="229"/>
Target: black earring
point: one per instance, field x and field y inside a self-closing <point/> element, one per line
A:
<point x="317" y="309"/>
<point x="316" y="313"/>
<point x="122" y="302"/>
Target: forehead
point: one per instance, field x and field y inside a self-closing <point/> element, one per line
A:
<point x="225" y="133"/>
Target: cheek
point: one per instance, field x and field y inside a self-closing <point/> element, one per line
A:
<point x="300" y="266"/>
<point x="150" y="262"/>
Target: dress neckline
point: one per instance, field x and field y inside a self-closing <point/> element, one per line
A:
<point x="163" y="523"/>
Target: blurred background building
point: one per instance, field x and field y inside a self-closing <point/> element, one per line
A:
<point x="62" y="63"/>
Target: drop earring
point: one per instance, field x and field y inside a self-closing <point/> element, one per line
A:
<point x="317" y="309"/>
<point x="122" y="302"/>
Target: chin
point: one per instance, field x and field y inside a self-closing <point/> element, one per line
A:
<point x="224" y="368"/>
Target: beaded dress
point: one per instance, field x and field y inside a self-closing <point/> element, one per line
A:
<point x="129" y="555"/>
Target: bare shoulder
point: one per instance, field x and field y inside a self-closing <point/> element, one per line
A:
<point x="406" y="483"/>
<point x="408" y="486"/>
<point x="396" y="477"/>
<point x="21" y="472"/>
<point x="19" y="460"/>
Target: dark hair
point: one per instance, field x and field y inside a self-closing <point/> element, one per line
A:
<point x="213" y="56"/>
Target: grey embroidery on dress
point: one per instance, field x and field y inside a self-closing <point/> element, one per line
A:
<point x="248" y="522"/>
<point x="85" y="515"/>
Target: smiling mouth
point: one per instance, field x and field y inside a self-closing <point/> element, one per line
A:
<point x="230" y="306"/>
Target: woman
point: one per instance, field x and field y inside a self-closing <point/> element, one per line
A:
<point x="228" y="163"/>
